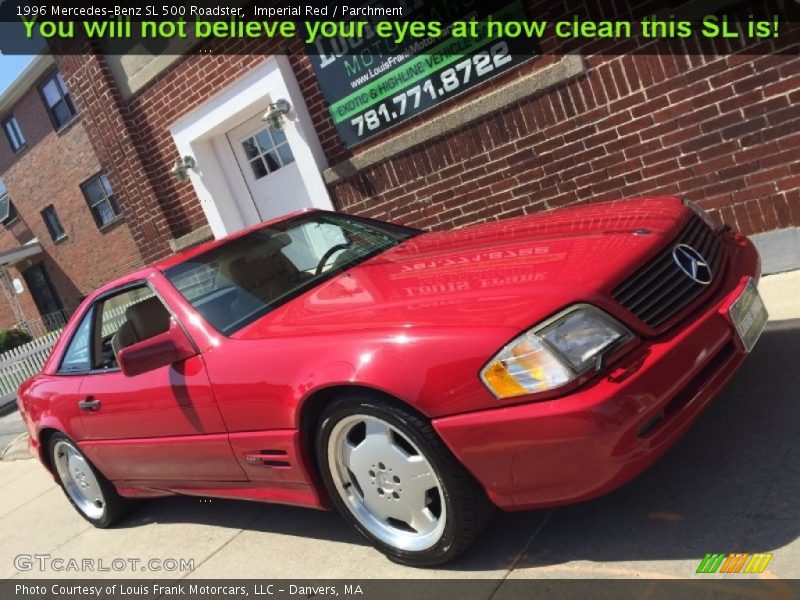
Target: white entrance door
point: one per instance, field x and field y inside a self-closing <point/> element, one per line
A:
<point x="269" y="168"/>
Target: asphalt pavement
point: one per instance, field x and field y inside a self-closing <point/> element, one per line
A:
<point x="730" y="485"/>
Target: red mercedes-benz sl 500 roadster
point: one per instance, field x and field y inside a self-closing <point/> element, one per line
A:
<point x="411" y="380"/>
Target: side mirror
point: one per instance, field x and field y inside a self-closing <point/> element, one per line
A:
<point x="158" y="351"/>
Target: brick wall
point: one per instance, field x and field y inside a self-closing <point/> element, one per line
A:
<point x="49" y="171"/>
<point x="34" y="122"/>
<point x="133" y="140"/>
<point x="720" y="129"/>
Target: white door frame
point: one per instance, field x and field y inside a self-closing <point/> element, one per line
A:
<point x="217" y="179"/>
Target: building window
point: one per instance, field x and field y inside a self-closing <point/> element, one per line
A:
<point x="54" y="226"/>
<point x="58" y="101"/>
<point x="267" y="151"/>
<point x="101" y="200"/>
<point x="14" y="133"/>
<point x="8" y="213"/>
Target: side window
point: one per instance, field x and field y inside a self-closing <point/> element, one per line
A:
<point x="58" y="100"/>
<point x="76" y="358"/>
<point x="101" y="200"/>
<point x="127" y="318"/>
<point x="14" y="133"/>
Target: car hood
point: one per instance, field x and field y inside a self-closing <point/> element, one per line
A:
<point x="510" y="273"/>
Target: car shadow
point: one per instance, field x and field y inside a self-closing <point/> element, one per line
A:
<point x="501" y="544"/>
<point x="730" y="485"/>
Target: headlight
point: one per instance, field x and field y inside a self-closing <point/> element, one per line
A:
<point x="707" y="217"/>
<point x="554" y="353"/>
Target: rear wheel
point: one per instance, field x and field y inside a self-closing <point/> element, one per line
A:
<point x="390" y="475"/>
<point x="92" y="495"/>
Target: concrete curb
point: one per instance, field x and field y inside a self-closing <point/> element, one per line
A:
<point x="780" y="293"/>
<point x="6" y="401"/>
<point x="779" y="250"/>
<point x="17" y="449"/>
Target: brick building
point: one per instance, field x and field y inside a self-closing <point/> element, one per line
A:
<point x="555" y="130"/>
<point x="62" y="234"/>
<point x="542" y="132"/>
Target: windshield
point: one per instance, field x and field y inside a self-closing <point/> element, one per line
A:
<point x="240" y="281"/>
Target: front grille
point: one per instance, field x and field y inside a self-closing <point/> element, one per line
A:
<point x="660" y="290"/>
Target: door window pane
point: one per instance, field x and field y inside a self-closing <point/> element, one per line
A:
<point x="259" y="170"/>
<point x="272" y="160"/>
<point x="264" y="141"/>
<point x="268" y="150"/>
<point x="128" y="318"/>
<point x="250" y="149"/>
<point x="114" y="308"/>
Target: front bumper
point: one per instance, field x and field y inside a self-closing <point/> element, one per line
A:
<point x="587" y="443"/>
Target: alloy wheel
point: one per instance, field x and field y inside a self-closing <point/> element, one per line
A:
<point x="79" y="480"/>
<point x="387" y="483"/>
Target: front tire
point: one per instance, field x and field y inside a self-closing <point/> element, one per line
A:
<point x="392" y="478"/>
<point x="92" y="495"/>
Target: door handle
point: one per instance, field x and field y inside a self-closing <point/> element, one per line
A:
<point x="89" y="404"/>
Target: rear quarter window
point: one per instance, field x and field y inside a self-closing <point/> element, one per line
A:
<point x="77" y="358"/>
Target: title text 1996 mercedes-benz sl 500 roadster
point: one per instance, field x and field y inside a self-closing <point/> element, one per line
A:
<point x="411" y="380"/>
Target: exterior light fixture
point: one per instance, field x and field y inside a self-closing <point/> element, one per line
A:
<point x="275" y="113"/>
<point x="181" y="168"/>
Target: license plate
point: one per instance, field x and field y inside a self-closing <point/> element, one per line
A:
<point x="749" y="315"/>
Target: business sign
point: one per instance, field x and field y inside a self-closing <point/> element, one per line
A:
<point x="372" y="83"/>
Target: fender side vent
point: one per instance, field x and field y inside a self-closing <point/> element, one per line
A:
<point x="273" y="452"/>
<point x="274" y="459"/>
<point x="276" y="464"/>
